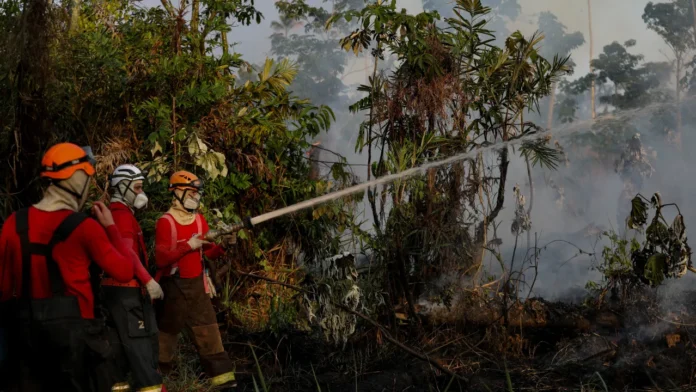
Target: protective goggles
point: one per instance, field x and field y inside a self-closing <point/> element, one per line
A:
<point x="195" y="184"/>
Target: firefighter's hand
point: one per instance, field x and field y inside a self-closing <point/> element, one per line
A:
<point x="196" y="242"/>
<point x="154" y="289"/>
<point x="103" y="214"/>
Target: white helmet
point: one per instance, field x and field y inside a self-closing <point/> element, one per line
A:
<point x="121" y="181"/>
<point x="126" y="172"/>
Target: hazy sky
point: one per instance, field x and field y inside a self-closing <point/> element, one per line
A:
<point x="613" y="20"/>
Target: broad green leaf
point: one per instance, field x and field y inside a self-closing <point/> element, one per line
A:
<point x="655" y="268"/>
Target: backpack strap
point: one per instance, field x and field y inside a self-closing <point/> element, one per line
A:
<point x="199" y="224"/>
<point x="22" y="228"/>
<point x="175" y="236"/>
<point x="172" y="226"/>
<point x="62" y="233"/>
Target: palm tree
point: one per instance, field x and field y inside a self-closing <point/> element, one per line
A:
<point x="285" y="24"/>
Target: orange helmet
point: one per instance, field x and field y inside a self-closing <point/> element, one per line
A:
<point x="62" y="161"/>
<point x="185" y="180"/>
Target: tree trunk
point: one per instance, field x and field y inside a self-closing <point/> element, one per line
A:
<point x="552" y="103"/>
<point x="196" y="40"/>
<point x="679" y="116"/>
<point x="592" y="89"/>
<point x="404" y="282"/>
<point x="372" y="106"/>
<point x="480" y="233"/>
<point x="225" y="43"/>
<point x="693" y="10"/>
<point x="75" y="15"/>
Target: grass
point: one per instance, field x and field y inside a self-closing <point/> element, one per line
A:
<point x="315" y="378"/>
<point x="189" y="378"/>
<point x="260" y="372"/>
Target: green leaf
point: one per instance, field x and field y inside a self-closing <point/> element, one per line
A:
<point x="639" y="213"/>
<point x="655" y="268"/>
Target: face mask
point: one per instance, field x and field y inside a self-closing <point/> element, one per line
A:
<point x="191" y="203"/>
<point x="140" y="201"/>
<point x="126" y="194"/>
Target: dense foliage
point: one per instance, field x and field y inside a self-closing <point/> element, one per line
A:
<point x="141" y="85"/>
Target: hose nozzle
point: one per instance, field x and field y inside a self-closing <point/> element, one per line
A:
<point x="212" y="235"/>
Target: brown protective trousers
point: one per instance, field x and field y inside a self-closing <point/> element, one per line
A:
<point x="186" y="305"/>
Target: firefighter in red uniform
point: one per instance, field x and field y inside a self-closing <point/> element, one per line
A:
<point x="179" y="250"/>
<point x="48" y="251"/>
<point x="130" y="305"/>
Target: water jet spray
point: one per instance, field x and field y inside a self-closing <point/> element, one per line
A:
<point x="562" y="132"/>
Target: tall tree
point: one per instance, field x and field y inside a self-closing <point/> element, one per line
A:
<point x="321" y="61"/>
<point x="674" y="22"/>
<point x="592" y="87"/>
<point x="629" y="81"/>
<point x="557" y="42"/>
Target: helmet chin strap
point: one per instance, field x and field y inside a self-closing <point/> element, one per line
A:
<point x="123" y="194"/>
<point x="182" y="201"/>
<point x="78" y="196"/>
<point x="70" y="191"/>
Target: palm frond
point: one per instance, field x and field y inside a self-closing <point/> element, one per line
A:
<point x="540" y="153"/>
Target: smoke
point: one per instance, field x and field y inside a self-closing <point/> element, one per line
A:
<point x="564" y="263"/>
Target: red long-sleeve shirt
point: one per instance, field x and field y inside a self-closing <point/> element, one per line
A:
<point x="89" y="242"/>
<point x="132" y="235"/>
<point x="189" y="260"/>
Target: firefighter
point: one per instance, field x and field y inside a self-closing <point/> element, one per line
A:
<point x="49" y="250"/>
<point x="129" y="305"/>
<point x="179" y="250"/>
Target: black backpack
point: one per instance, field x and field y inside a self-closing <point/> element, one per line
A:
<point x="59" y="305"/>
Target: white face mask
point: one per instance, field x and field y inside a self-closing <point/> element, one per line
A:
<point x="140" y="201"/>
<point x="126" y="194"/>
<point x="192" y="203"/>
